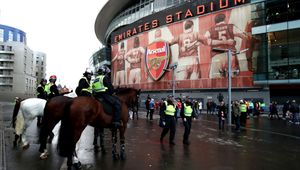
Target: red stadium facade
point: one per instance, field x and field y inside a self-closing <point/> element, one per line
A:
<point x="190" y="33"/>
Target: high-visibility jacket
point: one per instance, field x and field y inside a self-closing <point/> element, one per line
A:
<point x="98" y="85"/>
<point x="187" y="110"/>
<point x="170" y="109"/>
<point x="89" y="89"/>
<point x="47" y="88"/>
<point x="243" y="107"/>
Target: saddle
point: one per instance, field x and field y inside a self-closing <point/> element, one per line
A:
<point x="107" y="107"/>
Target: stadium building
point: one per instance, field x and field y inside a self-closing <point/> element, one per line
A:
<point x="165" y="45"/>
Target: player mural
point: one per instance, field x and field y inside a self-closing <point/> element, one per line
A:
<point x="189" y="43"/>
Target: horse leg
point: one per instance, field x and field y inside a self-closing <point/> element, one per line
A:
<point x="114" y="146"/>
<point x="43" y="142"/>
<point x="76" y="162"/>
<point x="101" y="130"/>
<point x="51" y="136"/>
<point x="122" y="144"/>
<point x="16" y="140"/>
<point x="24" y="139"/>
<point x="95" y="143"/>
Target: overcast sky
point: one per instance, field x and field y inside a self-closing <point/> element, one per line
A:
<point x="63" y="29"/>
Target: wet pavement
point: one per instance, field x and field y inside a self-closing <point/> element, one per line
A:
<point x="263" y="144"/>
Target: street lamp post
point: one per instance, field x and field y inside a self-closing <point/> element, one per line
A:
<point x="173" y="79"/>
<point x="229" y="79"/>
<point x="172" y="67"/>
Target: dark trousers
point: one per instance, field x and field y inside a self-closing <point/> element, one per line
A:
<point x="151" y="111"/>
<point x="187" y="128"/>
<point x="237" y="122"/>
<point x="221" y="123"/>
<point x="170" y="125"/>
<point x="115" y="102"/>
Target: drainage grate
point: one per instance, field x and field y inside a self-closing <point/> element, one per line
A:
<point x="2" y="151"/>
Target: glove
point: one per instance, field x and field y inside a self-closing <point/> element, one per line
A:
<point x="164" y="123"/>
<point x="184" y="119"/>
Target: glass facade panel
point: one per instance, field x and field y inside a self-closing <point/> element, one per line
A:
<point x="279" y="55"/>
<point x="275" y="11"/>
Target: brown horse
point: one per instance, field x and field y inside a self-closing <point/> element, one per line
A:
<point x="53" y="113"/>
<point x="84" y="111"/>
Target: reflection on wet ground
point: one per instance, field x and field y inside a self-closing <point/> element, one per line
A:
<point x="262" y="145"/>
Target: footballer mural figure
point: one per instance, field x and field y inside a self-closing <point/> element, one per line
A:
<point x="134" y="57"/>
<point x="188" y="57"/>
<point x="221" y="36"/>
<point x="120" y="65"/>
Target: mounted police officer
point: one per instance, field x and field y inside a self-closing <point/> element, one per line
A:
<point x="187" y="114"/>
<point x="103" y="88"/>
<point x="84" y="87"/>
<point x="168" y="110"/>
<point x="42" y="94"/>
<point x="51" y="87"/>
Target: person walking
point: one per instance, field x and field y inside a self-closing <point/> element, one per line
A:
<point x="222" y="115"/>
<point x="151" y="108"/>
<point x="237" y="114"/>
<point x="243" y="109"/>
<point x="168" y="110"/>
<point x="147" y="105"/>
<point x="294" y="109"/>
<point x="187" y="113"/>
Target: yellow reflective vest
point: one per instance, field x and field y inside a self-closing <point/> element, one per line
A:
<point x="188" y="110"/>
<point x="170" y="109"/>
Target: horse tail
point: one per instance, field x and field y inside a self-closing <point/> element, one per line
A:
<point x="16" y="111"/>
<point x="66" y="144"/>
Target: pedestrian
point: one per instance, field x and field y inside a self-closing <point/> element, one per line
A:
<point x="42" y="94"/>
<point x="237" y="113"/>
<point x="147" y="105"/>
<point x="168" y="110"/>
<point x="222" y="115"/>
<point x="294" y="110"/>
<point x="187" y="113"/>
<point x="285" y="109"/>
<point x="200" y="107"/>
<point x="178" y="108"/>
<point x="196" y="108"/>
<point x="151" y="108"/>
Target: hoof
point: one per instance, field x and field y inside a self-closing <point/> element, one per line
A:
<point x="116" y="157"/>
<point x="123" y="156"/>
<point x="77" y="165"/>
<point x="44" y="155"/>
<point x="26" y="146"/>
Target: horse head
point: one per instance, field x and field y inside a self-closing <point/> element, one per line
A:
<point x="130" y="96"/>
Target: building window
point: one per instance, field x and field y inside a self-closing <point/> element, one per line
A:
<point x="18" y="37"/>
<point x="10" y="36"/>
<point x="1" y="35"/>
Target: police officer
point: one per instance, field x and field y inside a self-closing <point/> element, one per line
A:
<point x="84" y="87"/>
<point x="42" y="94"/>
<point x="51" y="87"/>
<point x="168" y="110"/>
<point x="103" y="88"/>
<point x="187" y="114"/>
<point x="243" y="109"/>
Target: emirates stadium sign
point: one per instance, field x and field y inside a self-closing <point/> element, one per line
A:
<point x="157" y="59"/>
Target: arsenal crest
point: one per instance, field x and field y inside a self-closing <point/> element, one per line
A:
<point x="157" y="59"/>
